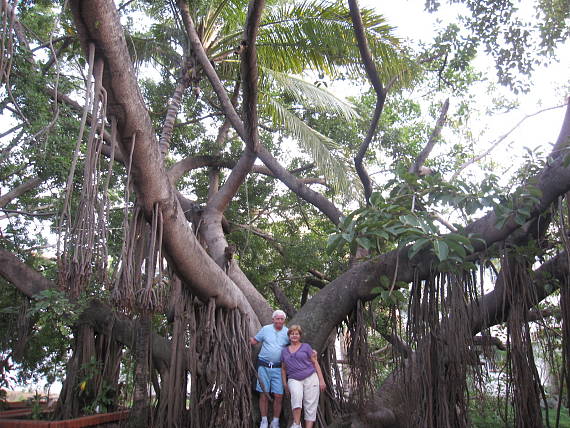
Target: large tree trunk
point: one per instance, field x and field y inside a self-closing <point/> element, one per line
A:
<point x="97" y="21"/>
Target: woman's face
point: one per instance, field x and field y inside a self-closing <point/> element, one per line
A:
<point x="294" y="336"/>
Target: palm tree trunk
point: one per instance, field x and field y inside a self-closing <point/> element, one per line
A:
<point x="172" y="112"/>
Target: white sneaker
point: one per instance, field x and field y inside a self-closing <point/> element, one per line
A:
<point x="264" y="424"/>
<point x="274" y="424"/>
<point x="296" y="425"/>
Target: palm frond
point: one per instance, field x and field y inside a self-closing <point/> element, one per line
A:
<point x="320" y="36"/>
<point x="147" y="49"/>
<point x="224" y="17"/>
<point x="307" y="93"/>
<point x="316" y="144"/>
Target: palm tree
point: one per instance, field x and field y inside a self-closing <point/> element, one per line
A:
<point x="296" y="40"/>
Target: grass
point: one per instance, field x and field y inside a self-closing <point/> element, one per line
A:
<point x="487" y="416"/>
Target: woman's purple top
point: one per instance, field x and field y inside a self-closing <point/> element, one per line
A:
<point x="298" y="364"/>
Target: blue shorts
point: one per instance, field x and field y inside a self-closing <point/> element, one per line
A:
<point x="271" y="378"/>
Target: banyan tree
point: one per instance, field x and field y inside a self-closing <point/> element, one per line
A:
<point x="170" y="175"/>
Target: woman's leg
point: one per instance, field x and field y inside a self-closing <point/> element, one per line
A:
<point x="297" y="415"/>
<point x="310" y="399"/>
<point x="296" y="390"/>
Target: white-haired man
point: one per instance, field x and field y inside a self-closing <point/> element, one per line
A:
<point x="273" y="338"/>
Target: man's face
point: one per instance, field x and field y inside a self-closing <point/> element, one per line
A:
<point x="278" y="321"/>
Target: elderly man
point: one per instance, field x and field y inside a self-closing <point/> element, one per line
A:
<point x="273" y="337"/>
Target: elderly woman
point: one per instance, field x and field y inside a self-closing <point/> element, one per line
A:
<point x="302" y="377"/>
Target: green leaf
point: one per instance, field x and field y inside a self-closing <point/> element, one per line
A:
<point x="365" y="242"/>
<point x="397" y="295"/>
<point x="410" y="219"/>
<point x="520" y="219"/>
<point x="333" y="242"/>
<point x="376" y="199"/>
<point x="441" y="250"/>
<point x="316" y="144"/>
<point x="456" y="248"/>
<point x="321" y="99"/>
<point x="420" y="243"/>
<point x="379" y="233"/>
<point x="525" y="211"/>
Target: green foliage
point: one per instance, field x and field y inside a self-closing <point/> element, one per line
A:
<point x="36" y="407"/>
<point x="488" y="412"/>
<point x="518" y="207"/>
<point x="104" y="399"/>
<point x="396" y="221"/>
<point x="48" y="305"/>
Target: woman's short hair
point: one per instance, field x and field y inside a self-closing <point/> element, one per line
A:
<point x="297" y="328"/>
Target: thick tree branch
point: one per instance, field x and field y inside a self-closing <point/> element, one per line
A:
<point x="489" y="341"/>
<point x="415" y="168"/>
<point x="182" y="167"/>
<point x="283" y="300"/>
<point x="357" y="283"/>
<point x="19" y="190"/>
<point x="374" y="78"/>
<point x="249" y="73"/>
<point x="297" y="187"/>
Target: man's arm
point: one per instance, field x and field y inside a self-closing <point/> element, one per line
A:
<point x="258" y="338"/>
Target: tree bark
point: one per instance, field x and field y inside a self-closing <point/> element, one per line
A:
<point x="19" y="191"/>
<point x="97" y="22"/>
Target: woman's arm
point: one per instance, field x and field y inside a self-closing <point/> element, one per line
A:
<point x="284" y="377"/>
<point x="322" y="384"/>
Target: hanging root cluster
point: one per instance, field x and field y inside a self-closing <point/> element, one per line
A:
<point x="439" y="324"/>
<point x="524" y="381"/>
<point x="140" y="282"/>
<point x="174" y="379"/>
<point x="92" y="375"/>
<point x="220" y="367"/>
<point x="565" y="302"/>
<point x="83" y="225"/>
<point x="362" y="374"/>
<point x="7" y="16"/>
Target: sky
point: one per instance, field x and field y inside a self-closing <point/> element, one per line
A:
<point x="412" y="22"/>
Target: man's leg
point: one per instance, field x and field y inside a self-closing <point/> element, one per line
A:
<point x="277" y="389"/>
<point x="277" y="404"/>
<point x="264" y="378"/>
<point x="263" y="401"/>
